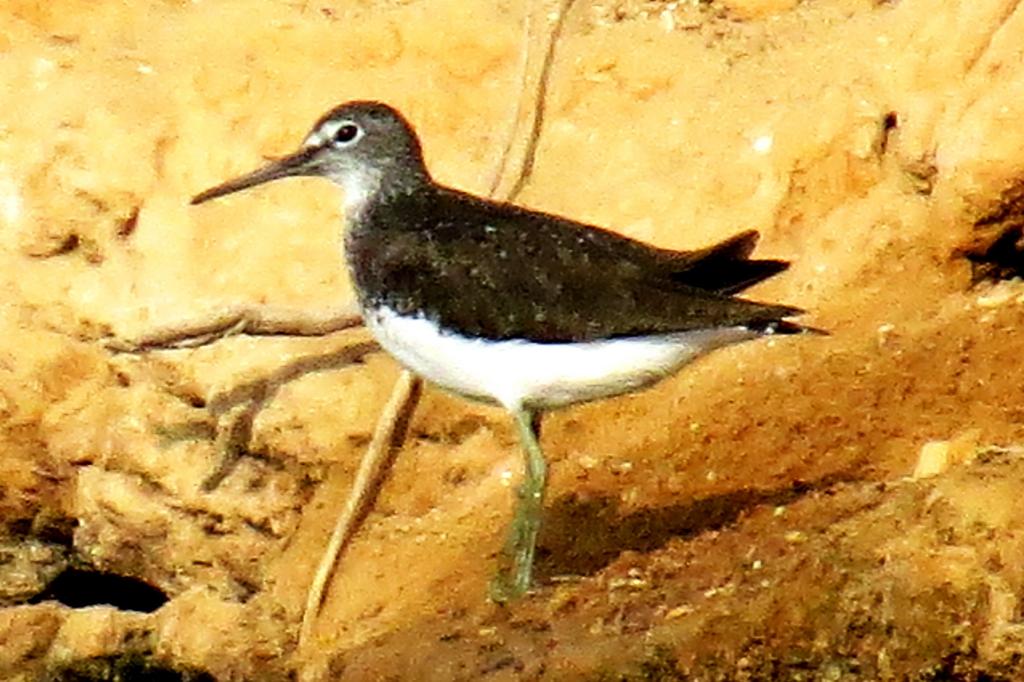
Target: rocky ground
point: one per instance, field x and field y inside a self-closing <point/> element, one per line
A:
<point x="835" y="508"/>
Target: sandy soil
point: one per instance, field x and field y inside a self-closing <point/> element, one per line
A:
<point x="757" y="517"/>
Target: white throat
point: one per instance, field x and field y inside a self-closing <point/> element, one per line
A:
<point x="359" y="187"/>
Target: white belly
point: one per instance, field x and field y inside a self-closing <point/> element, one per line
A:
<point x="518" y="374"/>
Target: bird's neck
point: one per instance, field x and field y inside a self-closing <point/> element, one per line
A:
<point x="376" y="234"/>
<point x="368" y="190"/>
<point x="375" y="200"/>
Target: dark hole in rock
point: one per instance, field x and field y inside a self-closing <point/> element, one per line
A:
<point x="49" y="528"/>
<point x="78" y="588"/>
<point x="890" y="122"/>
<point x="996" y="246"/>
<point x="125" y="667"/>
<point x="995" y="253"/>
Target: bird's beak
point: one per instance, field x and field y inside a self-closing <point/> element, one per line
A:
<point x="299" y="163"/>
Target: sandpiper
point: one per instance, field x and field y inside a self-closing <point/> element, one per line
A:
<point x="506" y="305"/>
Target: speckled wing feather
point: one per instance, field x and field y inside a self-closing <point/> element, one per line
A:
<point x="498" y="271"/>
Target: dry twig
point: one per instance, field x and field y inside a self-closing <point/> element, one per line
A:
<point x="242" y="320"/>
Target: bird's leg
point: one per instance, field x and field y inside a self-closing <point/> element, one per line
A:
<point x="516" y="568"/>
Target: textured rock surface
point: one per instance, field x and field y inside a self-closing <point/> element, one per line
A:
<point x="751" y="517"/>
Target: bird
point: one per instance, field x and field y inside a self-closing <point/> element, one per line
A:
<point x="515" y="307"/>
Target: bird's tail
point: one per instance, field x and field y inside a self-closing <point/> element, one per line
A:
<point x="726" y="267"/>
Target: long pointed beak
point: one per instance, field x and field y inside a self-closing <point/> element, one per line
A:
<point x="299" y="163"/>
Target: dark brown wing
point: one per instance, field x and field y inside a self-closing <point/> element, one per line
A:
<point x="498" y="271"/>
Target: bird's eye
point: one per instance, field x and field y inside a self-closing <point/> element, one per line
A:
<point x="346" y="133"/>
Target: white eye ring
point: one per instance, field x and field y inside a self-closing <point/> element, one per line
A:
<point x="345" y="134"/>
<point x="335" y="134"/>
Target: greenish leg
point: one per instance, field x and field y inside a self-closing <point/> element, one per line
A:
<point x="516" y="564"/>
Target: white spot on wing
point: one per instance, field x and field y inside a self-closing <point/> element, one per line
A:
<point x="519" y="373"/>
